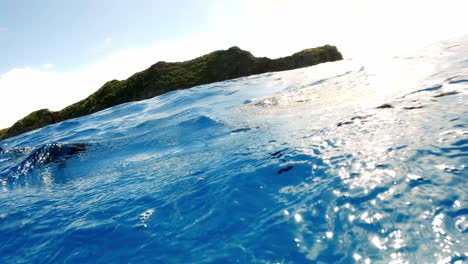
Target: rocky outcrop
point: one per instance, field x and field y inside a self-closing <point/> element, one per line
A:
<point x="164" y="77"/>
<point x="35" y="120"/>
<point x="3" y="133"/>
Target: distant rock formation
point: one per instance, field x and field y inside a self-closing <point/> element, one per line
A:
<point x="34" y="120"/>
<point x="164" y="77"/>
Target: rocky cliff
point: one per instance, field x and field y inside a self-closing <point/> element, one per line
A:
<point x="164" y="77"/>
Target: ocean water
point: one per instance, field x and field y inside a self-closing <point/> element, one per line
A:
<point x="345" y="162"/>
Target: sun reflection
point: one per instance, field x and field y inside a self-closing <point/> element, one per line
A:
<point x="356" y="256"/>
<point x="372" y="153"/>
<point x="378" y="243"/>
<point x="436" y="225"/>
<point x="398" y="241"/>
<point x="298" y="218"/>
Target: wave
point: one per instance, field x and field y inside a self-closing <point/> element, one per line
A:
<point x="340" y="163"/>
<point x="23" y="161"/>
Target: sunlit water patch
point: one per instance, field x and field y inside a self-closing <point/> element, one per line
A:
<point x="345" y="162"/>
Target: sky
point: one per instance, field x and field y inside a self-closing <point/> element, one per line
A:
<point x="54" y="53"/>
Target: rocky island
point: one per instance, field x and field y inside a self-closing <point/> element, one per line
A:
<point x="164" y="77"/>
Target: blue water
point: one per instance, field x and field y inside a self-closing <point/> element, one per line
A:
<point x="300" y="166"/>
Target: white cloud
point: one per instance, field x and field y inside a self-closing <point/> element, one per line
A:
<point x="47" y="66"/>
<point x="28" y="89"/>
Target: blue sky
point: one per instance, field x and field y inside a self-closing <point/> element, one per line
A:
<point x="74" y="33"/>
<point x="55" y="52"/>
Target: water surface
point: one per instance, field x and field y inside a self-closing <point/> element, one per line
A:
<point x="345" y="162"/>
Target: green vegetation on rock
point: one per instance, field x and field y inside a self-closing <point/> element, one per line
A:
<point x="164" y="77"/>
<point x="34" y="120"/>
<point x="3" y="133"/>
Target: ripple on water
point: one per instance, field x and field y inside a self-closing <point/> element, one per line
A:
<point x="144" y="217"/>
<point x="339" y="163"/>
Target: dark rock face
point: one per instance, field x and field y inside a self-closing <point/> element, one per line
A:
<point x="164" y="77"/>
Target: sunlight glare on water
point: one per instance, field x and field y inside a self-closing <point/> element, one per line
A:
<point x="345" y="162"/>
